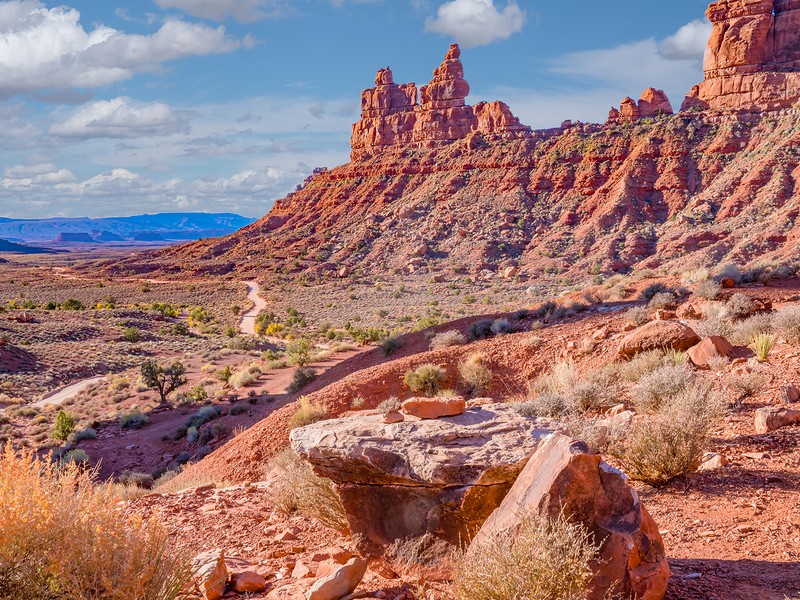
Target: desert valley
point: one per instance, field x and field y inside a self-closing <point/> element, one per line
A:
<point x="479" y="361"/>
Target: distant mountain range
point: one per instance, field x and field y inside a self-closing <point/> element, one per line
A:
<point x="162" y="228"/>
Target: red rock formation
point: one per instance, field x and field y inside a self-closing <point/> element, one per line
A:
<point x="752" y="57"/>
<point x="391" y="116"/>
<point x="652" y="104"/>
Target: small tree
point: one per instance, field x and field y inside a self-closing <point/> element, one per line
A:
<point x="162" y="379"/>
<point x="300" y="351"/>
<point x="64" y="425"/>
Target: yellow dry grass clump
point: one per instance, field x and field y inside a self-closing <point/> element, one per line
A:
<point x="63" y="537"/>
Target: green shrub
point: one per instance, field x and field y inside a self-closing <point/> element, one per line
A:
<point x="480" y="329"/>
<point x="64" y="425"/>
<point x="426" y="378"/>
<point x="301" y="378"/>
<point x="299" y="352"/>
<point x="133" y="420"/>
<point x="391" y="344"/>
<point x="72" y="304"/>
<point x="132" y="334"/>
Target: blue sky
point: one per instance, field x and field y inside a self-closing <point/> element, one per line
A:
<point x="113" y="108"/>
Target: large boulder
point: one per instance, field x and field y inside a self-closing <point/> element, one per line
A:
<point x="563" y="477"/>
<point x="421" y="478"/>
<point x="771" y="418"/>
<point x="210" y="574"/>
<point x="658" y="335"/>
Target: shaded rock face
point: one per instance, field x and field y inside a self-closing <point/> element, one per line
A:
<point x="752" y="56"/>
<point x="392" y="116"/>
<point x="440" y="478"/>
<point x="562" y="476"/>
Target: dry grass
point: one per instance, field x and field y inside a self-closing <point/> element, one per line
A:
<point x="446" y="339"/>
<point x="541" y="559"/>
<point x="307" y="413"/>
<point x="475" y="375"/>
<point x="708" y="289"/>
<point x="297" y="489"/>
<point x="671" y="443"/>
<point x="787" y="324"/>
<point x="658" y="387"/>
<point x="62" y="537"/>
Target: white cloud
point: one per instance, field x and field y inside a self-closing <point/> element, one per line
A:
<point x="476" y="22"/>
<point x="688" y="43"/>
<point x="37" y="176"/>
<point x="121" y="118"/>
<point x="44" y="49"/>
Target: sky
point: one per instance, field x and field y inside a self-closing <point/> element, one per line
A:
<point x="113" y="108"/>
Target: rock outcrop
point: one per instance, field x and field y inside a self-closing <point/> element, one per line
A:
<point x="658" y="335"/>
<point x="653" y="103"/>
<point x="392" y="116"/>
<point x="563" y="478"/>
<point x="753" y="57"/>
<point x="438" y="478"/>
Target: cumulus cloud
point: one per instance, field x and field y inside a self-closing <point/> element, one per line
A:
<point x="688" y="43"/>
<point x="476" y="22"/>
<point x="47" y="48"/>
<point x="26" y="177"/>
<point x="121" y="118"/>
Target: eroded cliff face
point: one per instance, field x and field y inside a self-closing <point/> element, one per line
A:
<point x="753" y="57"/>
<point x="438" y="186"/>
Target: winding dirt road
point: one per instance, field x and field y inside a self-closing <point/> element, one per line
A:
<point x="248" y="324"/>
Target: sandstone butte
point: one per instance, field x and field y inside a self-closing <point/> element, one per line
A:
<point x="436" y="184"/>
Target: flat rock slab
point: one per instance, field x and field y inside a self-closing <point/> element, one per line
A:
<point x="440" y="477"/>
<point x="658" y="335"/>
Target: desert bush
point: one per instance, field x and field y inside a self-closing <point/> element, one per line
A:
<point x="658" y="449"/>
<point x="301" y="378"/>
<point x="75" y="457"/>
<point x="390" y="344"/>
<point x="297" y="489"/>
<point x="708" y="289"/>
<point x="390" y="404"/>
<point x="132" y="334"/>
<point x="300" y="351"/>
<point x="542" y="559"/>
<point x="661" y="300"/>
<point x="141" y="480"/>
<point x="133" y="420"/>
<point x="242" y="379"/>
<point x="638" y="315"/>
<point x="654" y="288"/>
<point x="447" y="339"/>
<point x="744" y="332"/>
<point x="198" y="394"/>
<point x="714" y="326"/>
<point x="763" y="343"/>
<point x="241" y="344"/>
<point x="730" y="271"/>
<point x="502" y="327"/>
<point x="72" y="304"/>
<point x="694" y="276"/>
<point x="75" y="541"/>
<point x="787" y="324"/>
<point x="738" y="307"/>
<point x="480" y="330"/>
<point x="307" y="413"/>
<point x="475" y="375"/>
<point x="64" y="425"/>
<point x="748" y="384"/>
<point x="84" y="434"/>
<point x="224" y="375"/>
<point x="238" y="409"/>
<point x="426" y="378"/>
<point x="560" y="380"/>
<point x="656" y="388"/>
<point x="640" y="365"/>
<point x="718" y="363"/>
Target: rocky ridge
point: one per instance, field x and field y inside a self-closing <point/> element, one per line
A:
<point x="438" y="185"/>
